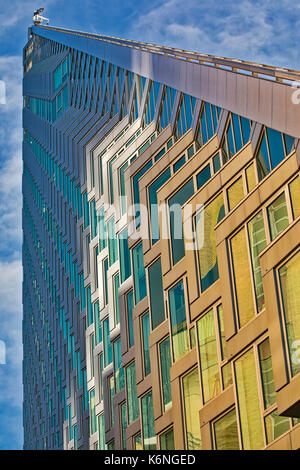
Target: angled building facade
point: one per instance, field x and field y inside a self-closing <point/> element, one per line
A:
<point x="161" y="291"/>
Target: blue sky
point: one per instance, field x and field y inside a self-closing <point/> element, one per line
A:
<point x="264" y="31"/>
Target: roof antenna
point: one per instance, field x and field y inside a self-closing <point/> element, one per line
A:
<point x="38" y="19"/>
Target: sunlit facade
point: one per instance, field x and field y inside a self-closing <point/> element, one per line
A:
<point x="161" y="292"/>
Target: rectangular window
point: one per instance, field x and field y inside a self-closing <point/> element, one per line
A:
<point x="226" y="432"/>
<point x="248" y="401"/>
<point x="125" y="266"/>
<point x="178" y="320"/>
<point x="205" y="223"/>
<point x="149" y="437"/>
<point x="203" y="176"/>
<point x="93" y="219"/>
<point x="122" y="188"/>
<point x="116" y="296"/>
<point x="250" y="177"/>
<point x="139" y="276"/>
<point x="101" y="428"/>
<point x="208" y="354"/>
<point x="258" y="242"/>
<point x="123" y="424"/>
<point x="166" y="440"/>
<point x="294" y="187"/>
<point x="153" y="188"/>
<point x="129" y="305"/>
<point x="93" y="419"/>
<point x="137" y="442"/>
<point x="146" y="350"/>
<point x="102" y="230"/>
<point x="90" y="313"/>
<point x="235" y="193"/>
<point x="111" y="388"/>
<point x="86" y="210"/>
<point x="289" y="277"/>
<point x="118" y="369"/>
<point x="105" y="276"/>
<point x="107" y="344"/>
<point x="156" y="294"/>
<point x="165" y="364"/>
<point x="112" y="242"/>
<point x="242" y="278"/>
<point x="278" y="216"/>
<point x="132" y="399"/>
<point x="175" y="204"/>
<point x="192" y="406"/>
<point x="110" y="176"/>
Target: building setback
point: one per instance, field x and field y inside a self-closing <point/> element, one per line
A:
<point x="136" y="336"/>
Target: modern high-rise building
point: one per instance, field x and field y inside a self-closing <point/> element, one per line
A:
<point x="161" y="218"/>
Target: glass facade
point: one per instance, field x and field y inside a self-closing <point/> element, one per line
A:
<point x="105" y="289"/>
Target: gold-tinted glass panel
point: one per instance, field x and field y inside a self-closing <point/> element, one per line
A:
<point x="266" y="370"/>
<point x="206" y="221"/>
<point x="208" y="354"/>
<point x="248" y="400"/>
<point x="226" y="432"/>
<point x="192" y="406"/>
<point x="242" y="278"/>
<point x="235" y="193"/>
<point x="295" y="196"/>
<point x="276" y="426"/>
<point x="278" y="216"/>
<point x="227" y="375"/>
<point x="166" y="440"/>
<point x="258" y="242"/>
<point x="290" y="290"/>
<point x="251" y="178"/>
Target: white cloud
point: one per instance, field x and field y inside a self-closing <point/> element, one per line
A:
<point x="265" y="32"/>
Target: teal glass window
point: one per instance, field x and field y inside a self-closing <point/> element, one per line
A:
<point x="178" y="320"/>
<point x="112" y="242"/>
<point x="153" y="188"/>
<point x="275" y="146"/>
<point x="93" y="219"/>
<point x="216" y="162"/>
<point x="156" y="294"/>
<point x="146" y="349"/>
<point x="177" y="239"/>
<point x="106" y="343"/>
<point x="86" y="210"/>
<point x="165" y="365"/>
<point x="136" y="192"/>
<point x="122" y="188"/>
<point x="123" y="424"/>
<point x="82" y="291"/>
<point x="116" y="292"/>
<point x="98" y="329"/>
<point x="139" y="275"/>
<point x="149" y="437"/>
<point x="263" y="164"/>
<point x="179" y="163"/>
<point x="102" y="230"/>
<point x="101" y="428"/>
<point x="105" y="271"/>
<point x="90" y="314"/>
<point x="203" y="176"/>
<point x="130" y="305"/>
<point x="111" y="184"/>
<point x="111" y="388"/>
<point x="125" y="266"/>
<point x="118" y="369"/>
<point x="93" y="419"/>
<point x="132" y="399"/>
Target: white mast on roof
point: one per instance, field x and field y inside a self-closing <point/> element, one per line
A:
<point x="38" y="19"/>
